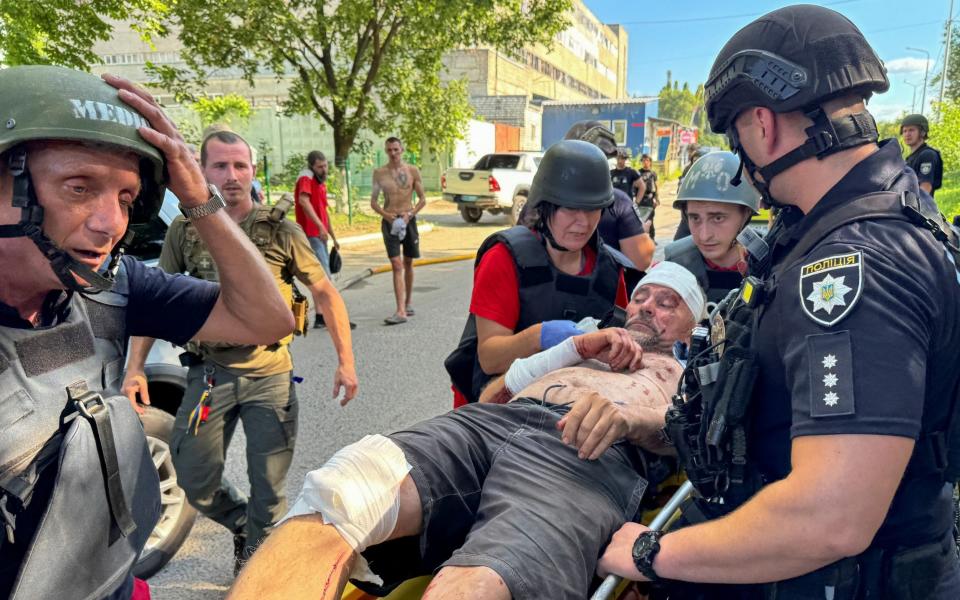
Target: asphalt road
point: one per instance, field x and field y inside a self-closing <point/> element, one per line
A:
<point x="402" y="381"/>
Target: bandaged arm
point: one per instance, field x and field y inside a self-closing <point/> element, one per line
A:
<point x="524" y="371"/>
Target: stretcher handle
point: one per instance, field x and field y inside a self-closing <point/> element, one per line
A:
<point x="609" y="585"/>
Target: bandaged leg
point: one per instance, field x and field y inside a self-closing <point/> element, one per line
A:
<point x="356" y="491"/>
<point x="525" y="371"/>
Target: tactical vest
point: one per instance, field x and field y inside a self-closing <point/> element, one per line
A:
<point x="262" y="228"/>
<point x="62" y="425"/>
<point x="546" y="293"/>
<point x="707" y="422"/>
<point x="685" y="252"/>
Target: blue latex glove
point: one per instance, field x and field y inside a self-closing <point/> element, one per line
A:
<point x="554" y="332"/>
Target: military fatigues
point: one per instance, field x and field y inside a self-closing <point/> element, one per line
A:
<point x="927" y="164"/>
<point x="250" y="383"/>
<point x="862" y="335"/>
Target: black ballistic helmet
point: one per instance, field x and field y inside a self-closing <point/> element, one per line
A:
<point x="572" y="174"/>
<point x="596" y="133"/>
<point x="796" y="59"/>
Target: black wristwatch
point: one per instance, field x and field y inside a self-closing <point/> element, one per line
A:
<point x="645" y="550"/>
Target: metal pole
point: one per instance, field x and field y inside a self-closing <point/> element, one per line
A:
<point x="346" y="190"/>
<point x="609" y="585"/>
<point x="926" y="70"/>
<point x="283" y="159"/>
<point x="946" y="52"/>
<point x="913" y="103"/>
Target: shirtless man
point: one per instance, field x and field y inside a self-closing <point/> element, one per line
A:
<point x="499" y="500"/>
<point x="398" y="181"/>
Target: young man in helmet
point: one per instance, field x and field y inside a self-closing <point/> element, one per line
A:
<point x="508" y="499"/>
<point x="924" y="159"/>
<point x="80" y="161"/>
<point x="533" y="284"/>
<point x="838" y="483"/>
<point x="717" y="212"/>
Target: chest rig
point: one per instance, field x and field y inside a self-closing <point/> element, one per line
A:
<point x="263" y="228"/>
<point x="545" y="293"/>
<point x="79" y="494"/>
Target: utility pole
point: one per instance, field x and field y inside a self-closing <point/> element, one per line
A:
<point x="926" y="70"/>
<point x="913" y="103"/>
<point x="946" y="52"/>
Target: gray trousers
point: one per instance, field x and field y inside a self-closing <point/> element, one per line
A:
<point x="268" y="408"/>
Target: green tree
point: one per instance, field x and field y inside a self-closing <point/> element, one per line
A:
<point x="358" y="64"/>
<point x="681" y="104"/>
<point x="952" y="89"/>
<point x="221" y="109"/>
<point x="63" y="32"/>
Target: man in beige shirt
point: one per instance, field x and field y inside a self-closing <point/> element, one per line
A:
<point x="227" y="382"/>
<point x="398" y="181"/>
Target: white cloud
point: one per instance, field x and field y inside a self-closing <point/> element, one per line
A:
<point x="888" y="111"/>
<point x="906" y="65"/>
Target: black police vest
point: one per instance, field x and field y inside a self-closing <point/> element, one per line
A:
<point x="707" y="424"/>
<point x="546" y="293"/>
<point x="716" y="284"/>
<point x="68" y="440"/>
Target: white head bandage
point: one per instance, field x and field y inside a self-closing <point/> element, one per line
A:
<point x="679" y="279"/>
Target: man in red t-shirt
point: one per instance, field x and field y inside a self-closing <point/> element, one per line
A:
<point x="311" y="213"/>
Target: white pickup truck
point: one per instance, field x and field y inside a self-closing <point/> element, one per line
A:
<point x="498" y="183"/>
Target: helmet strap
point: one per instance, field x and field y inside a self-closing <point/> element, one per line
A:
<point x="825" y="137"/>
<point x="545" y="230"/>
<point x="31" y="226"/>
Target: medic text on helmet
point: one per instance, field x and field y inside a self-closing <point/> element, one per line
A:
<point x="101" y="111"/>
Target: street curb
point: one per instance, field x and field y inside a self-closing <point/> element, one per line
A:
<point x="369" y="272"/>
<point x="369" y="237"/>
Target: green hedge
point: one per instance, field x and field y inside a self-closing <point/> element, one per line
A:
<point x="948" y="197"/>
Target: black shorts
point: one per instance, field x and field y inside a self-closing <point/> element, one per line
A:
<point x="500" y="489"/>
<point x="410" y="243"/>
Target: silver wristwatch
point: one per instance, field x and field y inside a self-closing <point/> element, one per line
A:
<point x="209" y="207"/>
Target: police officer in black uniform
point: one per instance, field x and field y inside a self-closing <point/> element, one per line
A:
<point x="924" y="159"/>
<point x="832" y="479"/>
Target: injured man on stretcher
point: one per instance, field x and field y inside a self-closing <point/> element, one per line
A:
<point x="515" y="497"/>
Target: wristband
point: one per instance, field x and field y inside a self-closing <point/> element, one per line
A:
<point x="554" y="332"/>
<point x="525" y="371"/>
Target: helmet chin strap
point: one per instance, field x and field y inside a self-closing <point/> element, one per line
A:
<point x="825" y="137"/>
<point x="30" y="225"/>
<point x="553" y="242"/>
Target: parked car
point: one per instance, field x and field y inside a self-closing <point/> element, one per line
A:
<point x="498" y="183"/>
<point x="167" y="380"/>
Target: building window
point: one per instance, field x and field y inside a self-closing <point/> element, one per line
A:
<point x="620" y="131"/>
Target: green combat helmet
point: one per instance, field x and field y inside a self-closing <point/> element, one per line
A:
<point x="710" y="179"/>
<point x="55" y="103"/>
<point x="918" y="121"/>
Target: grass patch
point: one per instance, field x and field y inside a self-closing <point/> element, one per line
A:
<point x="948" y="197"/>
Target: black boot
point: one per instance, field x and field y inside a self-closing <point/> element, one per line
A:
<point x="319" y="323"/>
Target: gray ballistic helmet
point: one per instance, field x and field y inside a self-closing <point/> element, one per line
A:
<point x="572" y="174"/>
<point x="709" y="180"/>
<point x="596" y="133"/>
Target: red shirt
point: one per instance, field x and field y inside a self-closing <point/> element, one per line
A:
<point x="496" y="289"/>
<point x="308" y="184"/>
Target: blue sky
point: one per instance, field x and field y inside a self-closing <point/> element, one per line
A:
<point x="685" y="35"/>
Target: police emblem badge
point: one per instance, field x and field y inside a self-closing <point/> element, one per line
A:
<point x="925" y="168"/>
<point x="830" y="287"/>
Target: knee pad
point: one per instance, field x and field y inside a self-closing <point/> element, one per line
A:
<point x="357" y="491"/>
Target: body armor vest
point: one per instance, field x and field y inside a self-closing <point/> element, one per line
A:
<point x="685" y="252"/>
<point x="707" y="421"/>
<point x="63" y="429"/>
<point x="546" y="293"/>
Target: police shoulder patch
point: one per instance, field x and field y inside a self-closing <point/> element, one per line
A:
<point x="925" y="168"/>
<point x="830" y="360"/>
<point x="830" y="287"/>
